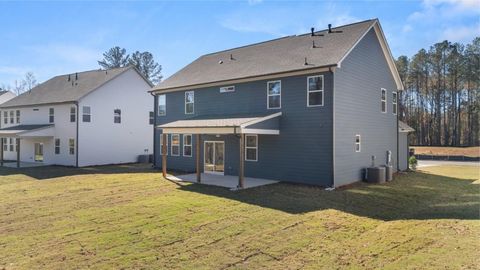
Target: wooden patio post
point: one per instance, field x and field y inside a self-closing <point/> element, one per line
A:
<point x="242" y="162"/>
<point x="164" y="155"/>
<point x="1" y="152"/>
<point x="197" y="157"/>
<point x="18" y="152"/>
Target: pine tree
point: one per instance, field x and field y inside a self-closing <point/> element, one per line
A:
<point x="114" y="58"/>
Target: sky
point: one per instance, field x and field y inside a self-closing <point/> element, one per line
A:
<point x="51" y="38"/>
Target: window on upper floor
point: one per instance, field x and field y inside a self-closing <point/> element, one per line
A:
<point x="73" y="114"/>
<point x="12" y="117"/>
<point x="51" y="115"/>
<point x="86" y="114"/>
<point x="384" y="100"/>
<point x="57" y="146"/>
<point x="162" y="105"/>
<point x="189" y="102"/>
<point x="161" y="144"/>
<point x="251" y="147"/>
<point x="71" y="146"/>
<point x="274" y="95"/>
<point x="357" y="143"/>
<point x="315" y="91"/>
<point x="227" y="89"/>
<point x="151" y="118"/>
<point x="117" y="116"/>
<point x="175" y="145"/>
<point x="18" y="116"/>
<point x="5" y="117"/>
<point x="394" y="103"/>
<point x="187" y="145"/>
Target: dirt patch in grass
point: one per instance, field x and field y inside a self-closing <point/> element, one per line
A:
<point x="129" y="217"/>
<point x="447" y="151"/>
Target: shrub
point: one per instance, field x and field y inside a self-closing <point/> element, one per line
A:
<point x="413" y="162"/>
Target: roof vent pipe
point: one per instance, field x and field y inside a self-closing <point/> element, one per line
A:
<point x="329" y="28"/>
<point x="305" y="63"/>
<point x="231" y="57"/>
<point x="312" y="30"/>
<point x="68" y="78"/>
<point x="76" y="76"/>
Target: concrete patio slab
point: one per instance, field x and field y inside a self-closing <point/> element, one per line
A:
<point x="23" y="164"/>
<point x="228" y="181"/>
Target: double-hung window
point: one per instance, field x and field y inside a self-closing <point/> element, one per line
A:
<point x="357" y="143"/>
<point x="162" y="105"/>
<point x="187" y="145"/>
<point x="57" y="146"/>
<point x="87" y="114"/>
<point x="175" y="145"/>
<point x="274" y="95"/>
<point x="384" y="100"/>
<point x="117" y="116"/>
<point x="71" y="146"/>
<point x="189" y="102"/>
<point x="394" y="103"/>
<point x="315" y="91"/>
<point x="251" y="147"/>
<point x="18" y="116"/>
<point x="51" y="115"/>
<point x="151" y="118"/>
<point x="73" y="114"/>
<point x="161" y="144"/>
<point x="5" y="117"/>
<point x="11" y="144"/>
<point x="12" y="117"/>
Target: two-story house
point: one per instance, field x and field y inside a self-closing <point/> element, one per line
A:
<point x="312" y="108"/>
<point x="87" y="118"/>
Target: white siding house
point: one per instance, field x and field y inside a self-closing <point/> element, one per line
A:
<point x="89" y="118"/>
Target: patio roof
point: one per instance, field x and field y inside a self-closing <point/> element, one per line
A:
<point x="259" y="124"/>
<point x="28" y="131"/>
<point x="403" y="127"/>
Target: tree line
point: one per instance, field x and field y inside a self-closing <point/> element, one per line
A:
<point x="441" y="100"/>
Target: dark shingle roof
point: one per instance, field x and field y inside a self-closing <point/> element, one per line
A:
<point x="270" y="57"/>
<point x="59" y="89"/>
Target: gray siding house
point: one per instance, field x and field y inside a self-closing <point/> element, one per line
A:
<point x="310" y="109"/>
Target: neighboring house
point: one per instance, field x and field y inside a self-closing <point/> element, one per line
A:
<point x="87" y="118"/>
<point x="5" y="96"/>
<point x="310" y="108"/>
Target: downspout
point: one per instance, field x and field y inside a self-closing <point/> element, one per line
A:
<point x="155" y="105"/>
<point x="398" y="112"/>
<point x="333" y="129"/>
<point x="76" y="139"/>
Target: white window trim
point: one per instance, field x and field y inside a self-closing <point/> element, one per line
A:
<point x="193" y="102"/>
<point x="268" y="95"/>
<point x="359" y="143"/>
<point x="227" y="89"/>
<point x="158" y="105"/>
<point x="161" y="144"/>
<point x="250" y="147"/>
<point x="315" y="91"/>
<point x="191" y="145"/>
<point x="172" y="145"/>
<point x="394" y="103"/>
<point x="382" y="100"/>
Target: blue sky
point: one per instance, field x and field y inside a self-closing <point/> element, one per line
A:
<point x="57" y="37"/>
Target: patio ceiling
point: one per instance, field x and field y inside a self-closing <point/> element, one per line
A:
<point x="28" y="131"/>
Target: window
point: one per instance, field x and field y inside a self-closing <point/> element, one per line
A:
<point x="18" y="116"/>
<point x="86" y="117"/>
<point x="57" y="146"/>
<point x="227" y="89"/>
<point x="274" y="94"/>
<point x="161" y="145"/>
<point x="117" y="116"/>
<point x="51" y="115"/>
<point x="251" y="147"/>
<point x="151" y="118"/>
<point x="189" y="102"/>
<point x="175" y="145"/>
<point x="5" y="145"/>
<point x="394" y="102"/>
<point x="11" y="144"/>
<point x="187" y="145"/>
<point x="357" y="143"/>
<point x="71" y="146"/>
<point x="12" y="113"/>
<point x="5" y="117"/>
<point x="73" y="114"/>
<point x="162" y="105"/>
<point x="384" y="100"/>
<point x="315" y="91"/>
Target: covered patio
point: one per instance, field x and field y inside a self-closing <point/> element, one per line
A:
<point x="21" y="132"/>
<point x="238" y="126"/>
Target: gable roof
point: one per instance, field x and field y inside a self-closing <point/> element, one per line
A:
<point x="60" y="89"/>
<point x="403" y="127"/>
<point x="274" y="57"/>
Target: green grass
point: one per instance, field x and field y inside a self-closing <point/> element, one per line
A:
<point x="129" y="217"/>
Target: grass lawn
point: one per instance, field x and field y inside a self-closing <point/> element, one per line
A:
<point x="129" y="217"/>
<point x="447" y="151"/>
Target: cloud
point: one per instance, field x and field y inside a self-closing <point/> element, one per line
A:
<point x="461" y="33"/>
